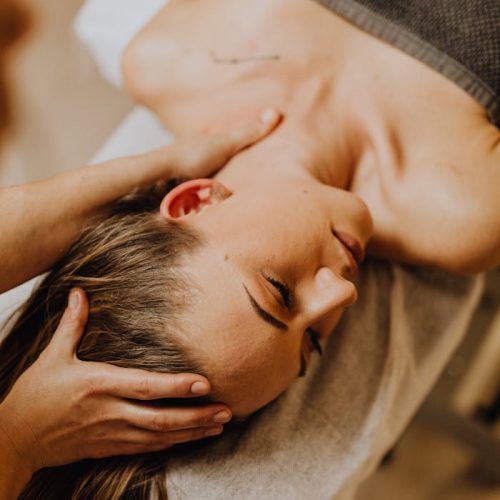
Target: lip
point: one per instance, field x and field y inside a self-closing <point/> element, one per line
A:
<point x="354" y="249"/>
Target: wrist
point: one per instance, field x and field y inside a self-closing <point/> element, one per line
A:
<point x="109" y="181"/>
<point x="156" y="165"/>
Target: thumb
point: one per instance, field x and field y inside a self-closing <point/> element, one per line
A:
<point x="253" y="132"/>
<point x="72" y="325"/>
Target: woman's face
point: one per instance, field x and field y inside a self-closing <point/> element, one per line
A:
<point x="272" y="269"/>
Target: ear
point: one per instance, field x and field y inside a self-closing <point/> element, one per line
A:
<point x="193" y="197"/>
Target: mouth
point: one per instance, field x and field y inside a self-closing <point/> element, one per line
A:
<point x="354" y="249"/>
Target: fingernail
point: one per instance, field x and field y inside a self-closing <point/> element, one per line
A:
<point x="268" y="116"/>
<point x="214" y="432"/>
<point x="200" y="388"/>
<point x="222" y="417"/>
<point x="74" y="299"/>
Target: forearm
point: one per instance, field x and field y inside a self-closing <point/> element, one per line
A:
<point x="41" y="220"/>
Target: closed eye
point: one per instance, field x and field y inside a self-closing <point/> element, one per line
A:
<point x="284" y="291"/>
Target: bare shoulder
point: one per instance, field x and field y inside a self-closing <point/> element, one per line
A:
<point x="445" y="210"/>
<point x="173" y="66"/>
<point x="149" y="57"/>
<point x="189" y="46"/>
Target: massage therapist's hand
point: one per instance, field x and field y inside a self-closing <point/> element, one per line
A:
<point x="63" y="409"/>
<point x="69" y="202"/>
<point x="202" y="155"/>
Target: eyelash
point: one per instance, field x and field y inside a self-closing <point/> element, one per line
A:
<point x="314" y="338"/>
<point x="286" y="295"/>
<point x="283" y="289"/>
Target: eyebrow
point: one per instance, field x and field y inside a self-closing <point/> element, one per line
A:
<point x="268" y="318"/>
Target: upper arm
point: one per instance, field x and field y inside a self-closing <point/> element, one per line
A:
<point x="448" y="219"/>
<point x="467" y="234"/>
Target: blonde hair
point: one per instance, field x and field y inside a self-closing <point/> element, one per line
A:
<point x="130" y="267"/>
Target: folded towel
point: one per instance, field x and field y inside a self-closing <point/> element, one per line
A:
<point x="329" y="431"/>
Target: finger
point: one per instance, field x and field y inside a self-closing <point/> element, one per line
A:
<point x="148" y="438"/>
<point x="72" y="325"/>
<point x="178" y="437"/>
<point x="270" y="119"/>
<point x="132" y="383"/>
<point x="251" y="133"/>
<point x="133" y="436"/>
<point x="174" y="419"/>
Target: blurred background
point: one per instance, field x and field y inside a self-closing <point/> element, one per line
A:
<point x="60" y="111"/>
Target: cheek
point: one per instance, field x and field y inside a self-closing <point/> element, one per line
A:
<point x="252" y="373"/>
<point x="252" y="355"/>
<point x="290" y="245"/>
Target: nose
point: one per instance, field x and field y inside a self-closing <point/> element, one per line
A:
<point x="328" y="292"/>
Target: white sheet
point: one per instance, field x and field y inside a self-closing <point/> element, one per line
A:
<point x="138" y="133"/>
<point x="106" y="26"/>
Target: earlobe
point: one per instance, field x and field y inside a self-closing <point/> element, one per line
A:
<point x="192" y="197"/>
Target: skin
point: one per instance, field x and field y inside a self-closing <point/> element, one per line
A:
<point x="97" y="417"/>
<point x="427" y="166"/>
<point x="91" y="410"/>
<point x="429" y="181"/>
<point x="251" y="360"/>
<point x="65" y="204"/>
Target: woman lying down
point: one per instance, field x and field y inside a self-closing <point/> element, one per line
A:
<point x="242" y="277"/>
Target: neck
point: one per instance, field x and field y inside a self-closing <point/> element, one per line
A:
<point x="302" y="149"/>
<point x="322" y="136"/>
<point x="320" y="141"/>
